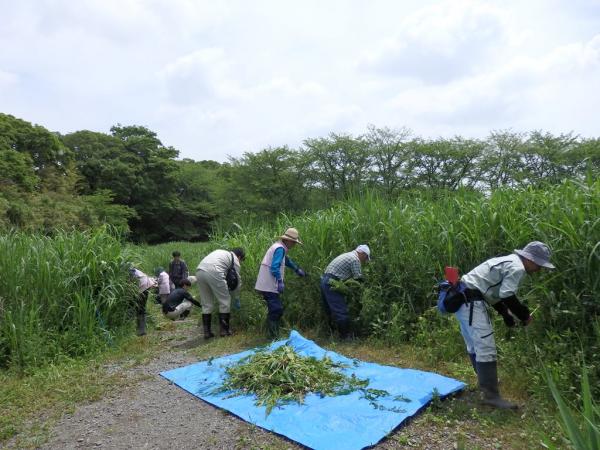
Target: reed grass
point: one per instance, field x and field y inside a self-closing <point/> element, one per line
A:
<point x="60" y="295"/>
<point x="413" y="237"/>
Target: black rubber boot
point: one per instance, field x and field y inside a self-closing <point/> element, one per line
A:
<point x="487" y="374"/>
<point x="343" y="327"/>
<point x="473" y="362"/>
<point x="141" y="324"/>
<point x="206" y="323"/>
<point x="273" y="328"/>
<point x="224" y="324"/>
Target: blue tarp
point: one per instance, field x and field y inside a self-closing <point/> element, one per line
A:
<point x="344" y="422"/>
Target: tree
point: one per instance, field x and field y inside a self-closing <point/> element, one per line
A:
<point x="51" y="160"/>
<point x="446" y="163"/>
<point x="340" y="163"/>
<point x="545" y="157"/>
<point x="501" y="163"/>
<point x="390" y="151"/>
<point x="266" y="183"/>
<point x="142" y="174"/>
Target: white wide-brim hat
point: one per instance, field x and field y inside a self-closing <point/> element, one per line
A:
<point x="538" y="252"/>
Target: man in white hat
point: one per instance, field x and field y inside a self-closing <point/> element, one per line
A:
<point x="269" y="282"/>
<point x="496" y="282"/>
<point x="343" y="267"/>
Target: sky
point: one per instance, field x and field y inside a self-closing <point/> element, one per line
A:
<point x="216" y="79"/>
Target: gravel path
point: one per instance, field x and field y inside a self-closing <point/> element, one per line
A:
<point x="151" y="413"/>
<point x="154" y="414"/>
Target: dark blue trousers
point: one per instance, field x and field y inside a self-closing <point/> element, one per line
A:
<point x="335" y="302"/>
<point x="274" y="305"/>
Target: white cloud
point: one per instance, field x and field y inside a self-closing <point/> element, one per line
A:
<point x="441" y="42"/>
<point x="218" y="78"/>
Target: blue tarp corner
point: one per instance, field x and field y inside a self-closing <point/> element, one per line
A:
<point x="345" y="422"/>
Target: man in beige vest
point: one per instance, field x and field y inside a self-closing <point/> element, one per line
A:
<point x="269" y="282"/>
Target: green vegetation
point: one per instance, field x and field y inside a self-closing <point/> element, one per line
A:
<point x="413" y="238"/>
<point x="65" y="295"/>
<point x="583" y="425"/>
<point x="282" y="376"/>
<point x="71" y="205"/>
<point x="128" y="178"/>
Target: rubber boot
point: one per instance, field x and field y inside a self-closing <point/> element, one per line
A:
<point x="487" y="374"/>
<point x="273" y="328"/>
<point x="206" y="322"/>
<point x="141" y="324"/>
<point x="343" y="327"/>
<point x="184" y="314"/>
<point x="473" y="362"/>
<point x="224" y="324"/>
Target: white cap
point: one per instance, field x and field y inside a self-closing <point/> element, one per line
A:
<point x="363" y="248"/>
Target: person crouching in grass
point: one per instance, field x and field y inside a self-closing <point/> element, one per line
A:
<point x="179" y="302"/>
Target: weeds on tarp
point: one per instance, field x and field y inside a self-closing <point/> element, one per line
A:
<point x="282" y="376"/>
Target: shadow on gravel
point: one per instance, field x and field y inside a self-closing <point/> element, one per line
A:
<point x="194" y="341"/>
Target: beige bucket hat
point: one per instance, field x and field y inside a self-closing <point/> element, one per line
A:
<point x="291" y="234"/>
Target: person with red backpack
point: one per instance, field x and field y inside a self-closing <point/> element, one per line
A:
<point x="495" y="282"/>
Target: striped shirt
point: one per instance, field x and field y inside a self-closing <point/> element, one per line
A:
<point x="345" y="266"/>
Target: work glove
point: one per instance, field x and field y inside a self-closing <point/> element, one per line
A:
<point x="280" y="286"/>
<point x="300" y="273"/>
<point x="509" y="320"/>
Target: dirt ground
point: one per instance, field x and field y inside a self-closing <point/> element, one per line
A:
<point x="152" y="413"/>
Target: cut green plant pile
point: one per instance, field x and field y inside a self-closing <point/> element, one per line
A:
<point x="345" y="287"/>
<point x="283" y="376"/>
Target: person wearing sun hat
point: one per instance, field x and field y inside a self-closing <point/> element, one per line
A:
<point x="270" y="280"/>
<point x="343" y="267"/>
<point x="495" y="282"/>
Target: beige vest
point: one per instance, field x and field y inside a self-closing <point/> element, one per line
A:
<point x="266" y="282"/>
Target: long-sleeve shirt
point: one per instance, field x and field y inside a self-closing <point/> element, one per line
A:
<point x="144" y="281"/>
<point x="218" y="263"/>
<point x="178" y="271"/>
<point x="345" y="266"/>
<point x="276" y="263"/>
<point x="175" y="298"/>
<point x="498" y="280"/>
<point x="164" y="286"/>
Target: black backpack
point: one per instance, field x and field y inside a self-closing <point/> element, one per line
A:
<point x="451" y="297"/>
<point x="231" y="276"/>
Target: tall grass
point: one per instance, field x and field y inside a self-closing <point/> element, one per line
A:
<point x="582" y="425"/>
<point x="412" y="238"/>
<point x="60" y="295"/>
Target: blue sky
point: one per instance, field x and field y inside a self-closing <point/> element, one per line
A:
<point x="219" y="78"/>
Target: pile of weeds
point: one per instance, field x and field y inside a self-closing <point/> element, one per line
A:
<point x="283" y="376"/>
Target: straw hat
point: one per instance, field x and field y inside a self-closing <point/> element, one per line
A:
<point x="291" y="234"/>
